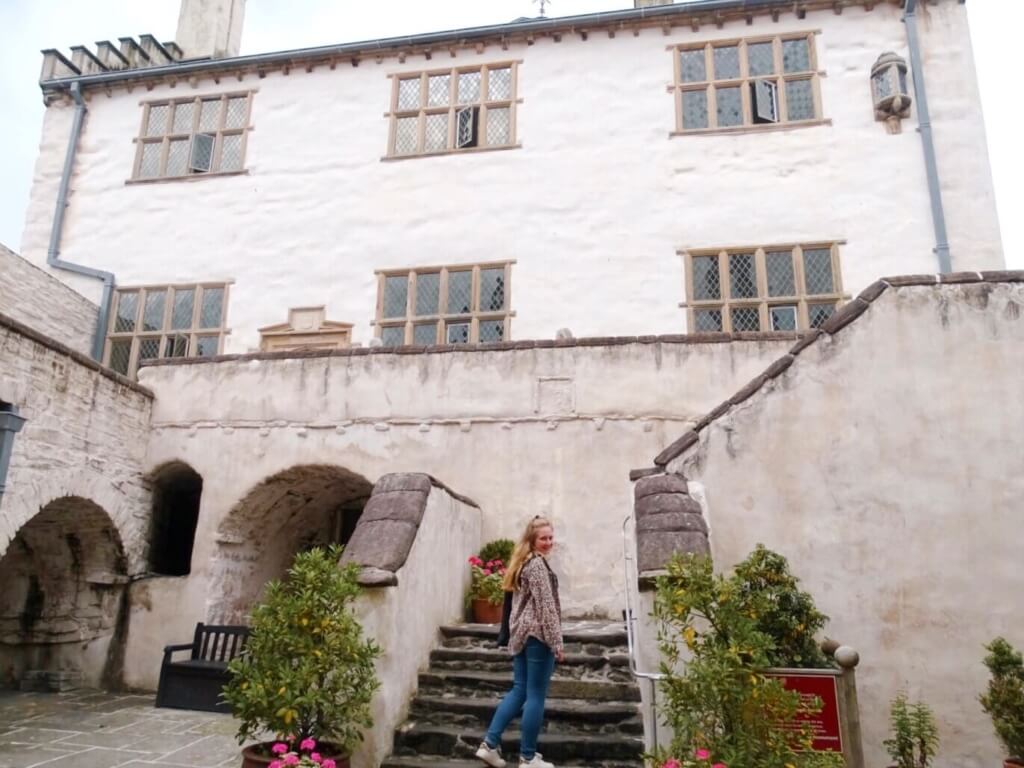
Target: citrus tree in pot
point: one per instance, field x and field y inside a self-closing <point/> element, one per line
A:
<point x="1004" y="699"/>
<point x="307" y="674"/>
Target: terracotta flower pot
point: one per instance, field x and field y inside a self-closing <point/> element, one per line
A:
<point x="259" y="755"/>
<point x="1012" y="762"/>
<point x="485" y="612"/>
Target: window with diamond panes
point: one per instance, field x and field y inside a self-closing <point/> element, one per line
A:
<point x="774" y="288"/>
<point x="444" y="305"/>
<point x="447" y="110"/>
<point x="195" y="136"/>
<point x="742" y="84"/>
<point x="165" y="321"/>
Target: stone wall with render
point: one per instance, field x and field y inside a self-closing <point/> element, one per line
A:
<point x="74" y="517"/>
<point x="317" y="186"/>
<point x="41" y="301"/>
<point x="882" y="457"/>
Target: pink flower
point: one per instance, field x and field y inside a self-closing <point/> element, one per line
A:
<point x="279" y="748"/>
<point x="307" y="744"/>
<point x="291" y="759"/>
<point x="702" y="754"/>
<point x="719" y="765"/>
<point x="276" y="764"/>
<point x="328" y="764"/>
<point x="316" y="758"/>
<point x="487" y="571"/>
<point x="673" y="763"/>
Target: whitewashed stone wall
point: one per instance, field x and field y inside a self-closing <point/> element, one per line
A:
<point x="39" y="300"/>
<point x="592" y="208"/>
<point x="885" y="464"/>
<point x="74" y="518"/>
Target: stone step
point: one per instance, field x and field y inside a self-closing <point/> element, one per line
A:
<point x="585" y="633"/>
<point x="484" y="683"/>
<point x="614" y="667"/>
<point x="433" y="761"/>
<point x="562" y="715"/>
<point x="414" y="739"/>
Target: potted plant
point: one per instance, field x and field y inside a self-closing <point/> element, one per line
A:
<point x="307" y="674"/>
<point x="1004" y="700"/>
<point x="915" y="738"/>
<point x="486" y="595"/>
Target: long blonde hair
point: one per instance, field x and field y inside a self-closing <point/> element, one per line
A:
<point x="523" y="552"/>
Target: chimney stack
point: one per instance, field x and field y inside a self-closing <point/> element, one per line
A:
<point x="210" y="28"/>
<point x="650" y="3"/>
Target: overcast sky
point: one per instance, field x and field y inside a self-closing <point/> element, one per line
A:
<point x="26" y="26"/>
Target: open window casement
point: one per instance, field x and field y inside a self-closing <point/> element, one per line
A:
<point x="765" y="100"/>
<point x="201" y="160"/>
<point x="465" y="127"/>
<point x="177" y="346"/>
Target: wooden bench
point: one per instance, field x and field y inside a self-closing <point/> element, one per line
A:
<point x="196" y="682"/>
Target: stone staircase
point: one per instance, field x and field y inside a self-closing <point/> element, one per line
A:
<point x="592" y="715"/>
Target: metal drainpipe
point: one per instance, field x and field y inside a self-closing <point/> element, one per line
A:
<point x="52" y="255"/>
<point x="10" y="424"/>
<point x="925" y="122"/>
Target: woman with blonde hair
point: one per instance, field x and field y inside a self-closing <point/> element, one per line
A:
<point x="535" y="642"/>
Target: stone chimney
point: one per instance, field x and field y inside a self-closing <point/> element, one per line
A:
<point x="649" y="3"/>
<point x="210" y="28"/>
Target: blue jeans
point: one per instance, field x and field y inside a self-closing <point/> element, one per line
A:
<point x="532" y="668"/>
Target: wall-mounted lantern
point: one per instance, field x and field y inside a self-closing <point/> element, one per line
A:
<point x="10" y="424"/>
<point x="889" y="90"/>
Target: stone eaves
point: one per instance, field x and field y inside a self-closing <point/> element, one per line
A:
<point x="52" y="344"/>
<point x="151" y="61"/>
<point x="846" y="315"/>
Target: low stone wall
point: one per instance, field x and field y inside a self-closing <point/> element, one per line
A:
<point x="430" y="584"/>
<point x="39" y="300"/>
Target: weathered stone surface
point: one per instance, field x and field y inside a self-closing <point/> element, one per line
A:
<point x="654" y="550"/>
<point x="960" y="277"/>
<point x="902" y="280"/>
<point x="659" y="484"/>
<point x="677" y="448"/>
<point x="403" y="481"/>
<point x="659" y="503"/>
<point x="846" y="315"/>
<point x="873" y="291"/>
<point x="406" y="506"/>
<point x="806" y="340"/>
<point x="383" y="544"/>
<point x="1004" y="276"/>
<point x="749" y="390"/>
<point x="637" y="474"/>
<point x="377" y="577"/>
<point x="672" y="521"/>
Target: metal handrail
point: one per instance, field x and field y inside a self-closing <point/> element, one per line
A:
<point x="652" y="677"/>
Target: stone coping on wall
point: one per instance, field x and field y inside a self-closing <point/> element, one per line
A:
<point x="39" y="338"/>
<point x="387" y="528"/>
<point x="498" y="346"/>
<point x="847" y="314"/>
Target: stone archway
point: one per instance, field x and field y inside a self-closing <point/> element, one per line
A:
<point x="63" y="578"/>
<point x="288" y="512"/>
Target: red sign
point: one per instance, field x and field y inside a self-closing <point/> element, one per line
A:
<point x="825" y="724"/>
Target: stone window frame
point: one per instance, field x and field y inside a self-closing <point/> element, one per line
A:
<point x="810" y="309"/>
<point x="425" y="108"/>
<point x="169" y="340"/>
<point x="168" y="135"/>
<point x="443" y="320"/>
<point x="780" y="77"/>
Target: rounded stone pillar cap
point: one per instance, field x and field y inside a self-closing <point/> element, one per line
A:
<point x="846" y="657"/>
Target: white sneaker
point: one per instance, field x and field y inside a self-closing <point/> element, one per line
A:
<point x="491" y="756"/>
<point x="535" y="762"/>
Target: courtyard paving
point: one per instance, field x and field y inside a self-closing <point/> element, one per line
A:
<point x="93" y="729"/>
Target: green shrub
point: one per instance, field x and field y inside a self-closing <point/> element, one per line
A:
<point x="499" y="549"/>
<point x="307" y="672"/>
<point x="733" y="629"/>
<point x="915" y="738"/>
<point x="1004" y="699"/>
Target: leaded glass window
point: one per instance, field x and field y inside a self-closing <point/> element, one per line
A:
<point x="186" y="137"/>
<point x="774" y="288"/>
<point x="755" y="82"/>
<point x="453" y="109"/>
<point x="165" y="321"/>
<point x="444" y="305"/>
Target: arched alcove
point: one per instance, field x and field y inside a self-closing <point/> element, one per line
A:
<point x="177" y="491"/>
<point x="63" y="577"/>
<point x="293" y="510"/>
